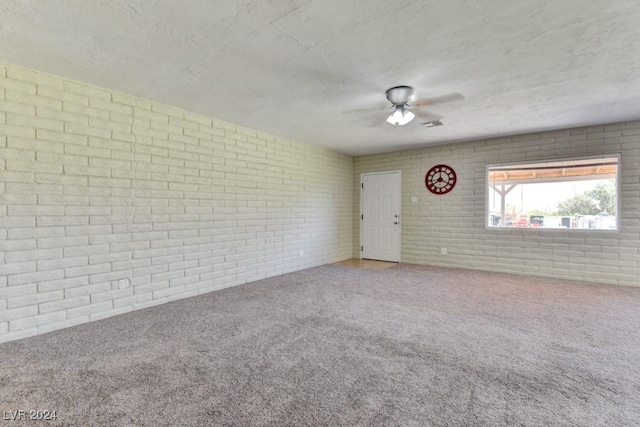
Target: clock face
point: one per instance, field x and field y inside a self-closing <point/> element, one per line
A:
<point x="440" y="179"/>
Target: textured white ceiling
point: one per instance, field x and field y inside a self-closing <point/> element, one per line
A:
<point x="298" y="68"/>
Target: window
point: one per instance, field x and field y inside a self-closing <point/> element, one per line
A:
<point x="579" y="193"/>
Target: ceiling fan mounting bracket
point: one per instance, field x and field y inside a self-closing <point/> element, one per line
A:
<point x="399" y="95"/>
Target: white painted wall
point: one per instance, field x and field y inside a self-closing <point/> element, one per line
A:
<point x="97" y="186"/>
<point x="456" y="221"/>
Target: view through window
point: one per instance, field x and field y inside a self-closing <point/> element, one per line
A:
<point x="576" y="193"/>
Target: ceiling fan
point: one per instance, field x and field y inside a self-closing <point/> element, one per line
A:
<point x="402" y="104"/>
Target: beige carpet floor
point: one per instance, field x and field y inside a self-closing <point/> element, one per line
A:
<point x="338" y="345"/>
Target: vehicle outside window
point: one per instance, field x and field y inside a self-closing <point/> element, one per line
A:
<point x="574" y="194"/>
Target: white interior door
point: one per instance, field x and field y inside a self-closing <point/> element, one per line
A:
<point x="380" y="216"/>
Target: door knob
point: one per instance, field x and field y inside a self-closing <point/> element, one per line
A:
<point x="395" y="222"/>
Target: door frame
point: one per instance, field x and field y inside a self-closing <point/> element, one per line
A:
<point x="399" y="172"/>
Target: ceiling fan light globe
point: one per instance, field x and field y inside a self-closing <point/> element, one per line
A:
<point x="400" y="117"/>
<point x="407" y="116"/>
<point x="396" y="117"/>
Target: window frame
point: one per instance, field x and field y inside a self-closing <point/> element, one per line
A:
<point x="487" y="188"/>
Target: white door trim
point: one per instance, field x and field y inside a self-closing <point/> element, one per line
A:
<point x="399" y="172"/>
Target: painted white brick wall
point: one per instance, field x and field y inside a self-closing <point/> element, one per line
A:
<point x="456" y="221"/>
<point x="97" y="186"/>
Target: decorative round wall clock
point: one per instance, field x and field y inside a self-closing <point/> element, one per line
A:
<point x="440" y="179"/>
